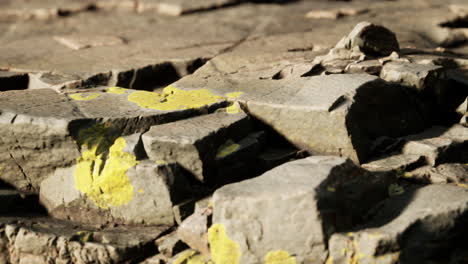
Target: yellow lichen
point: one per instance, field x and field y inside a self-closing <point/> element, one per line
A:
<point x="329" y="260"/>
<point x="226" y="149"/>
<point x="462" y="185"/>
<point x="116" y="90"/>
<point x="100" y="172"/>
<point x="141" y="190"/>
<point x="233" y="109"/>
<point x="84" y="96"/>
<point x="233" y="95"/>
<point x="331" y="189"/>
<point x="279" y="257"/>
<point x="191" y="257"/>
<point x="223" y="249"/>
<point x="174" y="99"/>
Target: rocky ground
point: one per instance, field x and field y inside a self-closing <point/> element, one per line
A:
<point x="233" y="132"/>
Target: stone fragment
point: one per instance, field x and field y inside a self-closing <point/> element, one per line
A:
<point x="309" y="199"/>
<point x="399" y="162"/>
<point x="125" y="191"/>
<point x="346" y="112"/>
<point x="369" y="66"/>
<point x="13" y="81"/>
<point x="77" y="42"/>
<point x="43" y="125"/>
<point x="439" y="144"/>
<point x="170" y="245"/>
<point x="414" y="227"/>
<point x="45" y="240"/>
<point x="418" y="76"/>
<point x="335" y="13"/>
<point x="445" y="173"/>
<point x="194" y="143"/>
<point x="194" y="230"/>
<point x="371" y="39"/>
<point x="156" y="259"/>
<point x="182" y="7"/>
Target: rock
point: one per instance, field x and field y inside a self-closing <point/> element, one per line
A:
<point x="13" y="81"/>
<point x="156" y="259"/>
<point x="418" y="76"/>
<point x="183" y="210"/>
<point x="415" y="227"/>
<point x="126" y="191"/>
<point x="182" y="7"/>
<point x="169" y="245"/>
<point x="335" y="14"/>
<point x="309" y="198"/>
<point x="77" y="42"/>
<point x="337" y="108"/>
<point x="39" y="125"/>
<point x="439" y="144"/>
<point x="445" y="173"/>
<point x="194" y="230"/>
<point x="195" y="143"/>
<point x="371" y="39"/>
<point x="399" y="162"/>
<point x="370" y="67"/>
<point x="45" y="240"/>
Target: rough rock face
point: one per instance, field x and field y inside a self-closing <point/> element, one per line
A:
<point x="38" y="125"/>
<point x="43" y="240"/>
<point x="313" y="197"/>
<point x="334" y="107"/>
<point x="195" y="143"/>
<point x="410" y="228"/>
<point x="253" y="88"/>
<point x="370" y="39"/>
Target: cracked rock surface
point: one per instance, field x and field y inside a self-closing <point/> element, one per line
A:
<point x="233" y="131"/>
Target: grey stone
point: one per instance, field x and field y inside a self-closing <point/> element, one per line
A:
<point x="45" y="240"/>
<point x="144" y="195"/>
<point x="411" y="228"/>
<point x="194" y="230"/>
<point x="445" y="173"/>
<point x="371" y="39"/>
<point x="439" y="144"/>
<point x="181" y="7"/>
<point x="418" y="76"/>
<point x="43" y="125"/>
<point x="399" y="162"/>
<point x="194" y="143"/>
<point x="320" y="113"/>
<point x="309" y="199"/>
<point x="370" y="67"/>
<point x="170" y="244"/>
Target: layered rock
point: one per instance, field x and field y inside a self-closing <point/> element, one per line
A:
<point x="309" y="199"/>
<point x="43" y="125"/>
<point x="410" y="228"/>
<point x="336" y="114"/>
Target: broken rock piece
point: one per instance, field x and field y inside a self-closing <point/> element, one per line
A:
<point x="339" y="114"/>
<point x="309" y="198"/>
<point x="371" y="39"/>
<point x="195" y="143"/>
<point x="409" y="228"/>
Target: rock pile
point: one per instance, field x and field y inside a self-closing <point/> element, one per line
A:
<point x="358" y="154"/>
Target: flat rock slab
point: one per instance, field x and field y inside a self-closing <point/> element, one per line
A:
<point x="410" y="228"/>
<point x="336" y="114"/>
<point x="45" y="240"/>
<point x="309" y="199"/>
<point x="439" y="144"/>
<point x="399" y="162"/>
<point x="195" y="143"/>
<point x="39" y="125"/>
<point x="445" y="173"/>
<point x="182" y="7"/>
<point x="125" y="191"/>
<point x="419" y="76"/>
